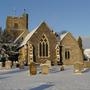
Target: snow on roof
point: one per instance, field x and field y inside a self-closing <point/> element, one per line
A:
<point x="18" y="37"/>
<point x="29" y="35"/>
<point x="63" y="35"/>
<point x="87" y="52"/>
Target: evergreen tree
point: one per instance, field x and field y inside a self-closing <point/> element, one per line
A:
<point x="80" y="42"/>
<point x="80" y="45"/>
<point x="7" y="37"/>
<point x="1" y="32"/>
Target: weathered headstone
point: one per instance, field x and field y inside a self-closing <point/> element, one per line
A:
<point x="86" y="64"/>
<point x="14" y="64"/>
<point x="8" y="64"/>
<point x="21" y="65"/>
<point x="78" y="67"/>
<point x="61" y="68"/>
<point x="48" y="62"/>
<point x="0" y="65"/>
<point x="17" y="64"/>
<point x="44" y="68"/>
<point x="32" y="68"/>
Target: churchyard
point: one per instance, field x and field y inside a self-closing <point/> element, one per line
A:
<point x="21" y="79"/>
<point x="44" y="76"/>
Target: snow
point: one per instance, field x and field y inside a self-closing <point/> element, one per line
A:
<point x="87" y="52"/>
<point x="31" y="33"/>
<point x="63" y="35"/>
<point x="18" y="37"/>
<point x="29" y="36"/>
<point x="16" y="79"/>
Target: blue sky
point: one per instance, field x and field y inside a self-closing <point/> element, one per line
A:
<point x="69" y="15"/>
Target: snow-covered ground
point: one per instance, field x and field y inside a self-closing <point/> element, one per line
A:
<point x="16" y="79"/>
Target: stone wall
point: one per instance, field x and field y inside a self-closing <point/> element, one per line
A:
<point x="35" y="39"/>
<point x="86" y="64"/>
<point x="16" y="25"/>
<point x="71" y="44"/>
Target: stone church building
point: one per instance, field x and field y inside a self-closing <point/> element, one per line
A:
<point x="42" y="45"/>
<point x="17" y="27"/>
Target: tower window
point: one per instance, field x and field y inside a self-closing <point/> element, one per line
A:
<point x="16" y="25"/>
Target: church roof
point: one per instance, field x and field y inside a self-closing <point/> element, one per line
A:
<point x="63" y="35"/>
<point x="18" y="37"/>
<point x="30" y="34"/>
<point x="34" y="30"/>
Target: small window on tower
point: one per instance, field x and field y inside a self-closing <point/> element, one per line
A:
<point x="16" y="25"/>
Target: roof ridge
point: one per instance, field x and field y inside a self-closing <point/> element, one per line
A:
<point x="18" y="37"/>
<point x="32" y="32"/>
<point x="29" y="35"/>
<point x="63" y="35"/>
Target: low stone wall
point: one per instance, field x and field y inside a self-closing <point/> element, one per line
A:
<point x="86" y="64"/>
<point x="68" y="62"/>
<point x="78" y="67"/>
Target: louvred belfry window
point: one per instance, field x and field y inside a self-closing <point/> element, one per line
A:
<point x="15" y="25"/>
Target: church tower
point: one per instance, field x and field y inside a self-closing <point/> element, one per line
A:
<point x="17" y="24"/>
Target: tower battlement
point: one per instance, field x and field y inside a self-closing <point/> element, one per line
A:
<point x="17" y="24"/>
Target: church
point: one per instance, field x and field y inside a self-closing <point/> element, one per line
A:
<point x="17" y="27"/>
<point x="42" y="45"/>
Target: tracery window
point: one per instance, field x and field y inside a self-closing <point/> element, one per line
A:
<point x="43" y="47"/>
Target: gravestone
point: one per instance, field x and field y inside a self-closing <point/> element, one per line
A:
<point x="0" y="65"/>
<point x="17" y="64"/>
<point x="48" y="62"/>
<point x="44" y="68"/>
<point x="61" y="68"/>
<point x="78" y="67"/>
<point x="32" y="68"/>
<point x="14" y="64"/>
<point x="86" y="64"/>
<point x="21" y="65"/>
<point x="8" y="64"/>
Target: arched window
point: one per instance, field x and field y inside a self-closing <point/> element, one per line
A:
<point x="46" y="49"/>
<point x="40" y="49"/>
<point x="67" y="54"/>
<point x="43" y="47"/>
